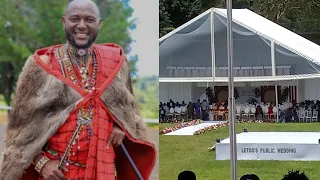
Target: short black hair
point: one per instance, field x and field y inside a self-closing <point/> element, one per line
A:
<point x="295" y="175"/>
<point x="187" y="175"/>
<point x="250" y="177"/>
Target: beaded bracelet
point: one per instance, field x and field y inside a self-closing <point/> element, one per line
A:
<point x="41" y="163"/>
<point x="33" y="163"/>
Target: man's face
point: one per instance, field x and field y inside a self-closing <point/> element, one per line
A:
<point x="81" y="25"/>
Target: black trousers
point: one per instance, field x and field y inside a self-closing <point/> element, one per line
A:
<point x="204" y="115"/>
<point x="162" y="116"/>
<point x="258" y="114"/>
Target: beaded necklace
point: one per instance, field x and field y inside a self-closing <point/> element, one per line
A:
<point x="81" y="59"/>
<point x="83" y="64"/>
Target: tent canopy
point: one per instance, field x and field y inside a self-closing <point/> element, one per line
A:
<point x="188" y="50"/>
<point x="241" y="79"/>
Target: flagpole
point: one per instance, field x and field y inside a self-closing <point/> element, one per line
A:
<point x="231" y="99"/>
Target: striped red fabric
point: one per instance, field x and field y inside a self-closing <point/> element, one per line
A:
<point x="90" y="159"/>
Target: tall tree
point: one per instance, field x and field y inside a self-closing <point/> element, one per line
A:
<point x="165" y="24"/>
<point x="116" y="25"/>
<point x="15" y="38"/>
<point x="299" y="16"/>
<point x="174" y="13"/>
<point x="7" y="79"/>
<point x="133" y="69"/>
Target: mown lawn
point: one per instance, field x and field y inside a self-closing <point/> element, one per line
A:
<point x="153" y="125"/>
<point x="178" y="153"/>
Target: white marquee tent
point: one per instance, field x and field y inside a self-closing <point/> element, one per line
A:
<point x="263" y="52"/>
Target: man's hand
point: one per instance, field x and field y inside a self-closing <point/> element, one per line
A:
<point x="50" y="171"/>
<point x="116" y="137"/>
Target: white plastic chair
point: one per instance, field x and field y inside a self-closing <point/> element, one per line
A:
<point x="308" y="116"/>
<point x="315" y="116"/>
<point x="265" y="112"/>
<point x="290" y="105"/>
<point x="243" y="107"/>
<point x="238" y="112"/>
<point x="302" y="115"/>
<point x="253" y="113"/>
<point x="245" y="115"/>
<point x="275" y="112"/>
<point x="171" y="113"/>
<point x="183" y="113"/>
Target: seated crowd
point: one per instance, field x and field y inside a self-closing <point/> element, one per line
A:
<point x="306" y="111"/>
<point x="288" y="112"/>
<point x="171" y="110"/>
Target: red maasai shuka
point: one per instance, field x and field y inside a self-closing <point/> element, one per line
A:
<point x="98" y="159"/>
<point x="101" y="131"/>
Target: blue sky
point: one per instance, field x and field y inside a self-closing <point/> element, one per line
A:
<point x="146" y="36"/>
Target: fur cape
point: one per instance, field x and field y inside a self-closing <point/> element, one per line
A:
<point x="43" y="102"/>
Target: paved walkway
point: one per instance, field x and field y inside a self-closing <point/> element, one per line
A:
<point x="155" y="172"/>
<point x="151" y="120"/>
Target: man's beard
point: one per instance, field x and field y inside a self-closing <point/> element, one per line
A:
<point x="74" y="44"/>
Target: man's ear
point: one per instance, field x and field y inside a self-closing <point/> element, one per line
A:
<point x="100" y="21"/>
<point x="63" y="20"/>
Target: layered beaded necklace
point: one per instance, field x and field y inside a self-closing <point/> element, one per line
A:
<point x="83" y="59"/>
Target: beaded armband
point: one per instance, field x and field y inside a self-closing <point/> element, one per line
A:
<point x="33" y="163"/>
<point x="41" y="163"/>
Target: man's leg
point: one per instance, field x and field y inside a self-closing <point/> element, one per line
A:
<point x="162" y="117"/>
<point x="261" y="115"/>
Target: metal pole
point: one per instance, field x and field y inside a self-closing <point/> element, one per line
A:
<point x="232" y="123"/>
<point x="297" y="92"/>
<point x="213" y="52"/>
<point x="273" y="64"/>
<point x="133" y="165"/>
<point x="277" y="106"/>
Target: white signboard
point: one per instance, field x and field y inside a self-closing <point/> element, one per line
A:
<point x="304" y="152"/>
<point x="260" y="150"/>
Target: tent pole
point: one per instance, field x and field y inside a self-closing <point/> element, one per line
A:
<point x="213" y="53"/>
<point x="167" y="88"/>
<point x="276" y="92"/>
<point x="273" y="64"/>
<point x="297" y="93"/>
<point x="288" y="98"/>
<point x="232" y="125"/>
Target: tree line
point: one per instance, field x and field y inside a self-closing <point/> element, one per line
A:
<point x="300" y="16"/>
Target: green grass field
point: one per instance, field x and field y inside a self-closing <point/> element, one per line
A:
<point x="153" y="125"/>
<point x="178" y="153"/>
